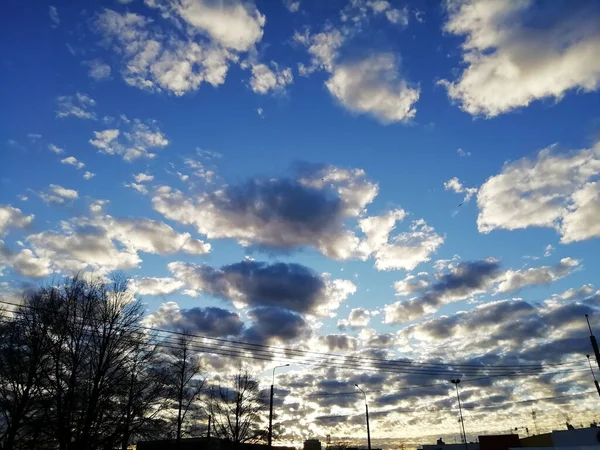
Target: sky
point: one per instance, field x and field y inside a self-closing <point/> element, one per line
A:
<point x="375" y="179"/>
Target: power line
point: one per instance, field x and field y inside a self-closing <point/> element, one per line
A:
<point x="233" y="348"/>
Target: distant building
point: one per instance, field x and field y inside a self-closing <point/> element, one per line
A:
<point x="499" y="442"/>
<point x="312" y="444"/>
<point x="444" y="446"/>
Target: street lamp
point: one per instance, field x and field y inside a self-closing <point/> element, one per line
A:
<point x="270" y="436"/>
<point x="456" y="382"/>
<point x="593" y="375"/>
<point x="367" y="414"/>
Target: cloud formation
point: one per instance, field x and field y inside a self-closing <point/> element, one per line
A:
<point x="79" y="105"/>
<point x="257" y="284"/>
<point x="556" y="190"/>
<point x="11" y="217"/>
<point x="510" y="62"/>
<point x="282" y="214"/>
<point x="137" y="142"/>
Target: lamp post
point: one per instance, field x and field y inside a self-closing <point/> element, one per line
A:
<point x="270" y="436"/>
<point x="367" y="414"/>
<point x="456" y="382"/>
<point x="593" y="375"/>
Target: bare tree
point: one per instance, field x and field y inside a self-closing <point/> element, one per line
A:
<point x="184" y="380"/>
<point x="236" y="409"/>
<point x="24" y="346"/>
<point x="76" y="370"/>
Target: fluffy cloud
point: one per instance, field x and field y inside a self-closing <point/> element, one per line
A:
<point x="279" y="214"/>
<point x="293" y="6"/>
<point x="209" y="321"/>
<point x="88" y="175"/>
<point x="156" y="286"/>
<point x="405" y="250"/>
<point x="257" y="284"/>
<point x="358" y="318"/>
<point x="97" y="69"/>
<point x="374" y="86"/>
<point x="511" y="62"/>
<point x="465" y="280"/>
<point x="553" y="190"/>
<point x="338" y="342"/>
<point x="360" y="10"/>
<point x="11" y="217"/>
<point x="143" y="177"/>
<point x="154" y="63"/>
<point x="71" y="160"/>
<point x="146" y="235"/>
<point x="236" y="25"/>
<point x="104" y="244"/>
<point x="272" y="324"/>
<point x="323" y="48"/>
<point x="58" y="194"/>
<point x="53" y="148"/>
<point x="132" y="144"/>
<point x="78" y="105"/>
<point x="516" y="279"/>
<point x="24" y="262"/>
<point x="454" y="184"/>
<point x="265" y="80"/>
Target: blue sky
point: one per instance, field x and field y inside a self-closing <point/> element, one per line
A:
<point x="305" y="161"/>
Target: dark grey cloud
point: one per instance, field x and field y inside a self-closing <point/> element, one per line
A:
<point x="463" y="281"/>
<point x="341" y="342"/>
<point x="275" y="324"/>
<point x="258" y="284"/>
<point x="306" y="210"/>
<point x="208" y="321"/>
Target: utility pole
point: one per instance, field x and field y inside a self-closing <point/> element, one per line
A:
<point x="593" y="374"/>
<point x="270" y="435"/>
<point x="367" y="415"/>
<point x="456" y="382"/>
<point x="594" y="342"/>
<point x="209" y="423"/>
<point x="534" y="422"/>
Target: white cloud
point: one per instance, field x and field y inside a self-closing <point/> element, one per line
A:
<point x="152" y="62"/>
<point x="511" y="63"/>
<point x="374" y="86"/>
<point x="55" y="149"/>
<point x="358" y="318"/>
<point x="264" y="80"/>
<point x="97" y="206"/>
<point x="293" y="6"/>
<point x="359" y="11"/>
<point x="58" y="194"/>
<point x="24" y="262"/>
<point x="514" y="280"/>
<point x="405" y="250"/>
<point x="13" y="218"/>
<point x="410" y="284"/>
<point x="88" y="175"/>
<point x="72" y="161"/>
<point x="236" y="25"/>
<point x="138" y="187"/>
<point x="98" y="70"/>
<point x="142" y="177"/>
<point x="104" y="243"/>
<point x="323" y="48"/>
<point x="553" y="190"/>
<point x="548" y="250"/>
<point x="156" y="286"/>
<point x="54" y="17"/>
<point x="78" y="105"/>
<point x="463" y="153"/>
<point x="454" y="184"/>
<point x="259" y="111"/>
<point x="132" y="144"/>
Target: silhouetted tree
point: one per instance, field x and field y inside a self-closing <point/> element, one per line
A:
<point x="184" y="380"/>
<point x="236" y="409"/>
